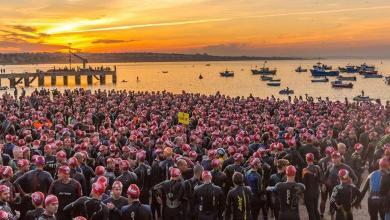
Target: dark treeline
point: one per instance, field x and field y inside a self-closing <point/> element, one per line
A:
<point x="40" y="58"/>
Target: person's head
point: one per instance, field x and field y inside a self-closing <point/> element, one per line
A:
<point x="4" y="215"/>
<point x="336" y="157"/>
<point x="384" y="164"/>
<point x="216" y="164"/>
<point x="141" y="156"/>
<point x="51" y="204"/>
<point x="343" y="175"/>
<point x="342" y="148"/>
<point x="61" y="156"/>
<point x="39" y="162"/>
<point x="116" y="189"/>
<point x="238" y="158"/>
<point x="23" y="165"/>
<point x="133" y="193"/>
<point x="206" y="176"/>
<point x="73" y="162"/>
<point x="97" y="190"/>
<point x="100" y="170"/>
<point x="281" y="165"/>
<point x="168" y="152"/>
<point x="238" y="179"/>
<point x="182" y="165"/>
<point x="358" y="148"/>
<point x="175" y="173"/>
<point x="7" y="172"/>
<point x="110" y="163"/>
<point x="37" y="199"/>
<point x="63" y="173"/>
<point x="4" y="193"/>
<point x="255" y="164"/>
<point x="290" y="173"/>
<point x="310" y="158"/>
<point x="198" y="169"/>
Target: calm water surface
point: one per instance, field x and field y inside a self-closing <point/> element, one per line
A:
<point x="184" y="76"/>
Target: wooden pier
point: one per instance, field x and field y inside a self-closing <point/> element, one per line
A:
<point x="27" y="78"/>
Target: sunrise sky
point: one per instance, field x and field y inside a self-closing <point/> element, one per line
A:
<point x="220" y="27"/>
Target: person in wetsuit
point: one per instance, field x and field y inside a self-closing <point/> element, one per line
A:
<point x="288" y="194"/>
<point x="67" y="191"/>
<point x="311" y="178"/>
<point x="51" y="208"/>
<point x="116" y="201"/>
<point x="172" y="193"/>
<point x="37" y="199"/>
<point x="208" y="200"/>
<point x="238" y="202"/>
<point x="344" y="196"/>
<point x="92" y="207"/>
<point x="135" y="210"/>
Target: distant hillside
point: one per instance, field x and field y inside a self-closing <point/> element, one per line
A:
<point x="40" y="58"/>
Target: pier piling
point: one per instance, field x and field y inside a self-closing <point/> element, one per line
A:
<point x="12" y="82"/>
<point x="41" y="80"/>
<point x="65" y="80"/>
<point x="102" y="79"/>
<point x="77" y="79"/>
<point x="26" y="81"/>
<point x="89" y="80"/>
<point x="53" y="80"/>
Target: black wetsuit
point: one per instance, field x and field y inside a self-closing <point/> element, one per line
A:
<point x="229" y="171"/>
<point x="136" y="211"/>
<point x="311" y="178"/>
<point x="345" y="196"/>
<point x="127" y="178"/>
<point x="46" y="217"/>
<point x="144" y="172"/>
<point x="189" y="187"/>
<point x="208" y="202"/>
<point x="34" y="214"/>
<point x="288" y="195"/>
<point x="34" y="180"/>
<point x="66" y="194"/>
<point x="254" y="179"/>
<point x="238" y="203"/>
<point x="90" y="208"/>
<point x="273" y="199"/>
<point x="172" y="192"/>
<point x="119" y="203"/>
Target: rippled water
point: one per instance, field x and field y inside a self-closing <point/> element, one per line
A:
<point x="184" y="76"/>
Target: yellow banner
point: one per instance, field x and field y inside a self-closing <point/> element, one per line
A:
<point x="184" y="118"/>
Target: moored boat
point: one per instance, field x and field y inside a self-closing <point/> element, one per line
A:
<point x="275" y="80"/>
<point x="373" y="76"/>
<point x="347" y="78"/>
<point x="324" y="72"/>
<point x="299" y="69"/>
<point x="340" y="84"/>
<point x="227" y="73"/>
<point x="266" y="78"/>
<point x="263" y="71"/>
<point x="322" y="66"/>
<point x="286" y="91"/>
<point x="320" y="80"/>
<point x="361" y="98"/>
<point x="273" y="84"/>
